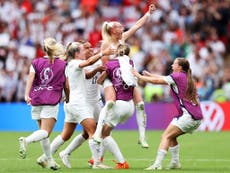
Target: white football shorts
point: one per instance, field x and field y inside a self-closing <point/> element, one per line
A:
<point x="44" y="111"/>
<point x="77" y="113"/>
<point x="120" y="113"/>
<point x="185" y="122"/>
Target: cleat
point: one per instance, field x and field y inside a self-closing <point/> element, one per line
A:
<point x="101" y="166"/>
<point x="143" y="143"/>
<point x="22" y="147"/>
<point x="174" y="165"/>
<point x="51" y="164"/>
<point x="65" y="159"/>
<point x="124" y="165"/>
<point x="154" y="167"/>
<point x="42" y="161"/>
<point x="91" y="162"/>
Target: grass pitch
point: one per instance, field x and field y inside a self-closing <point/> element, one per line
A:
<point x="201" y="152"/>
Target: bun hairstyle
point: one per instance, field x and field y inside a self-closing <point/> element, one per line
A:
<point x="71" y="48"/>
<point x="52" y="48"/>
<point x="123" y="49"/>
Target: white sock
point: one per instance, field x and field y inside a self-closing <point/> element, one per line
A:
<point x="103" y="150"/>
<point x="175" y="153"/>
<point x="45" y="144"/>
<point x="75" y="143"/>
<point x="104" y="112"/>
<point x="141" y="119"/>
<point x="56" y="144"/>
<point x="160" y="156"/>
<point x="112" y="146"/>
<point x="100" y="122"/>
<point x="36" y="136"/>
<point x="95" y="151"/>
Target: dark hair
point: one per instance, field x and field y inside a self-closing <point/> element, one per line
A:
<point x="191" y="93"/>
<point x="123" y="49"/>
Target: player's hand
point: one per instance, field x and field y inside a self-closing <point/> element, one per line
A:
<point x="152" y="8"/>
<point x="28" y="100"/>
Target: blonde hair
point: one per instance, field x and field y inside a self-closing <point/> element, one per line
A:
<point x="71" y="48"/>
<point x="106" y="30"/>
<point x="191" y="93"/>
<point x="123" y="49"/>
<point x="52" y="48"/>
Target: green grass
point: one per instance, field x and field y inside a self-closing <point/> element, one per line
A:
<point x="201" y="152"/>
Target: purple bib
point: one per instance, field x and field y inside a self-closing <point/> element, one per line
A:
<point x="48" y="82"/>
<point x="123" y="91"/>
<point x="179" y="98"/>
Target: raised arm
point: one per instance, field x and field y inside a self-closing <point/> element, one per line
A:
<point x="139" y="23"/>
<point x="155" y="79"/>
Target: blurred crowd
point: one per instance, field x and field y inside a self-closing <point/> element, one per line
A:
<point x="198" y="30"/>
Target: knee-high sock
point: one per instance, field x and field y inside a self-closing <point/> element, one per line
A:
<point x="45" y="144"/>
<point x="160" y="156"/>
<point x="36" y="136"/>
<point x="175" y="153"/>
<point x="56" y="144"/>
<point x="108" y="106"/>
<point x="141" y="119"/>
<point x="95" y="149"/>
<point x="75" y="143"/>
<point x="112" y="146"/>
<point x="103" y="150"/>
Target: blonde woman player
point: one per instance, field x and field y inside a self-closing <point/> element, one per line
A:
<point x="118" y="71"/>
<point x="113" y="34"/>
<point x="93" y="97"/>
<point x="43" y="91"/>
<point x="183" y="90"/>
<point x="77" y="110"/>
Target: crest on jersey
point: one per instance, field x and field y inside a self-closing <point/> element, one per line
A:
<point x="46" y="75"/>
<point x="117" y="75"/>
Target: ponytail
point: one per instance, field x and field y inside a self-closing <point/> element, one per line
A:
<point x="52" y="48"/>
<point x="191" y="88"/>
<point x="106" y="30"/>
<point x="71" y="48"/>
<point x="191" y="93"/>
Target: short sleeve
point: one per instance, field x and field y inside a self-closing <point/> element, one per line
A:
<point x="169" y="80"/>
<point x="32" y="70"/>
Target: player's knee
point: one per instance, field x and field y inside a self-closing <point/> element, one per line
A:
<point x="109" y="104"/>
<point x="140" y="105"/>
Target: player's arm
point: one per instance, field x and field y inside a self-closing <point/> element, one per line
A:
<point x="158" y="79"/>
<point x="139" y="23"/>
<point x="28" y="87"/>
<point x="66" y="90"/>
<point x="102" y="77"/>
<point x="104" y="46"/>
<point x="96" y="57"/>
<point x="90" y="74"/>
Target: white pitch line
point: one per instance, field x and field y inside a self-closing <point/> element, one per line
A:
<point x="137" y="159"/>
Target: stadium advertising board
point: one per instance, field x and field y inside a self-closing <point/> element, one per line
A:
<point x="16" y="117"/>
